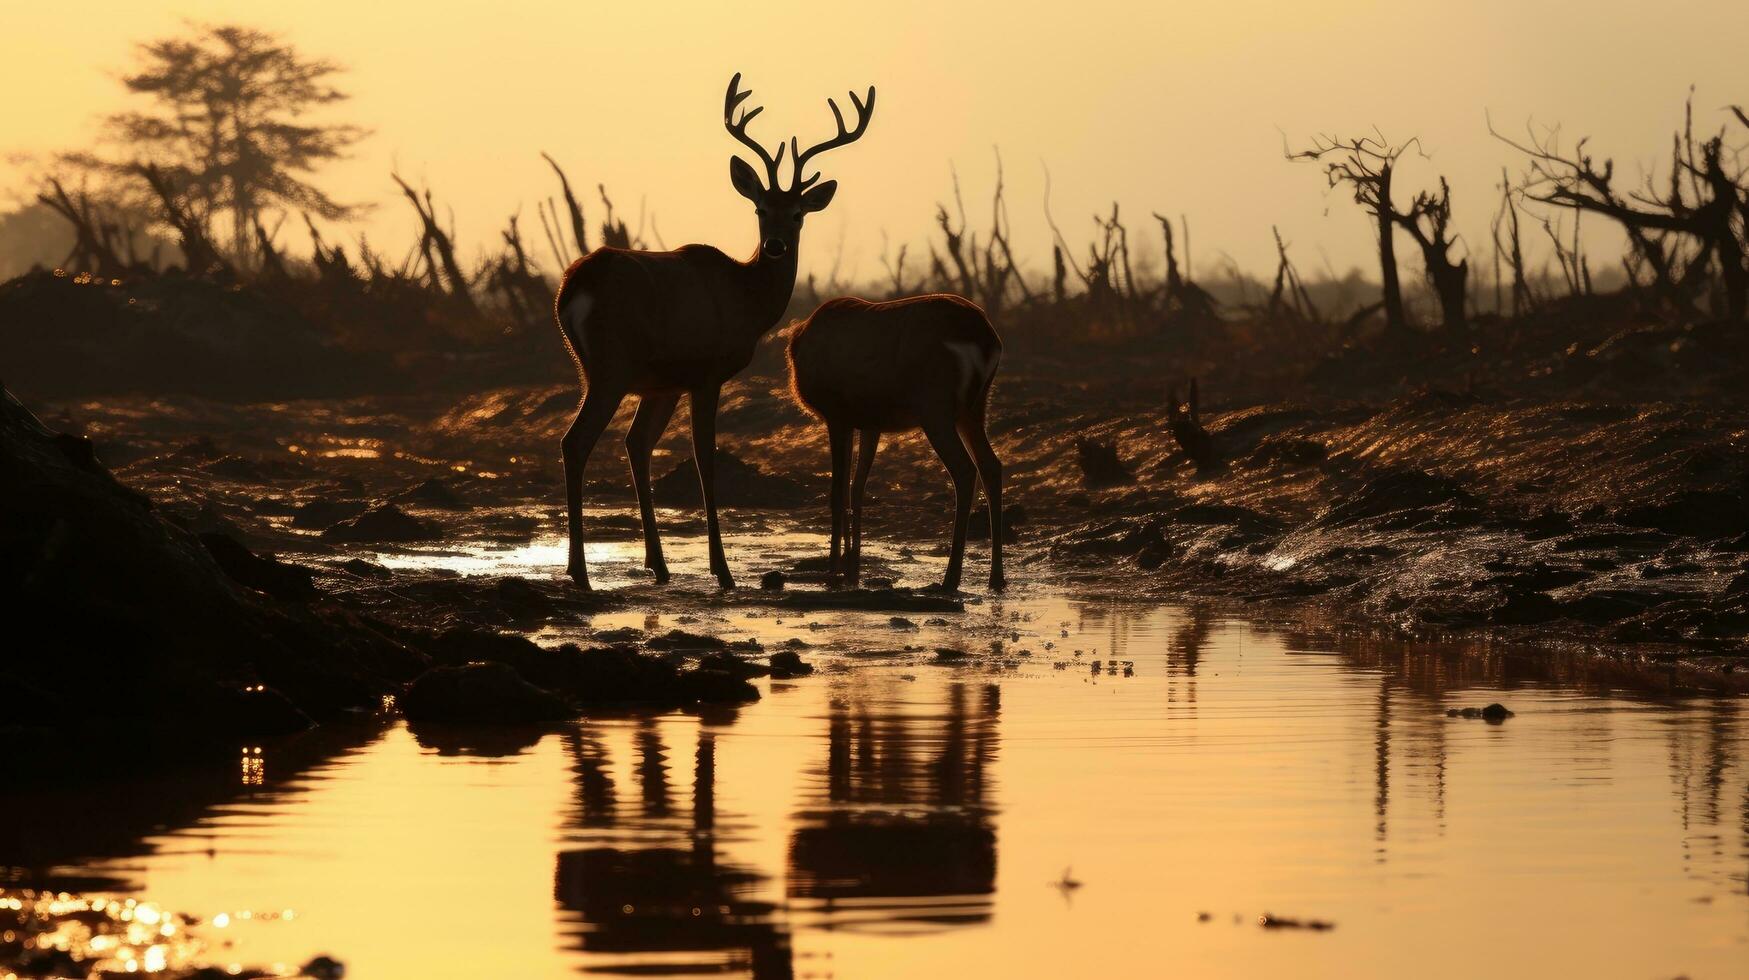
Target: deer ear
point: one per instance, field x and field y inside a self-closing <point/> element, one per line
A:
<point x="745" y="180"/>
<point x="819" y="197"/>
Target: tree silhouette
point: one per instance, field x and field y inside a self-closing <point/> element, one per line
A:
<point x="231" y="128"/>
<point x="1368" y="165"/>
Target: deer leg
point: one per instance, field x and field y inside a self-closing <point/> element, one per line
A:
<point x="654" y="411"/>
<point x="704" y="453"/>
<point x="946" y="441"/>
<point x="597" y="410"/>
<point x="839" y="438"/>
<point x="869" y="442"/>
<point x="971" y="430"/>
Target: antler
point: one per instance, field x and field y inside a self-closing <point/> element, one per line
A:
<point x="864" y="112"/>
<point x="738" y="127"/>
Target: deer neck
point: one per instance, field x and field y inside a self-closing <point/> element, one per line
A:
<point x="771" y="280"/>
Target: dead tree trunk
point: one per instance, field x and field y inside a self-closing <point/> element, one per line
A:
<point x="1395" y="322"/>
<point x="435" y="238"/>
<point x="578" y="230"/>
<point x="1429" y="223"/>
<point x="198" y="251"/>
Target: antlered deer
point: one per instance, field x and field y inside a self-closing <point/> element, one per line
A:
<point x="924" y="362"/>
<point x="664" y="324"/>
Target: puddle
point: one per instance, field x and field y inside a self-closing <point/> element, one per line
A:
<point x="1213" y="798"/>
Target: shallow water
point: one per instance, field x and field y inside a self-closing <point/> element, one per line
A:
<point x="1015" y="812"/>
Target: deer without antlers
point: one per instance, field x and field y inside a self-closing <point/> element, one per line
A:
<point x="665" y="324"/>
<point x="924" y="362"/>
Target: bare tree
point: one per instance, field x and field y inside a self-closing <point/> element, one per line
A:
<point x="1367" y="166"/>
<point x="1698" y="220"/>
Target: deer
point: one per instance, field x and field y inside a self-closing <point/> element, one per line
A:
<point x="660" y="325"/>
<point x="921" y="362"/>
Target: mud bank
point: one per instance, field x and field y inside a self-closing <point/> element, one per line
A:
<point x="119" y="614"/>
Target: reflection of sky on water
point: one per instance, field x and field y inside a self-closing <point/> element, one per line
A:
<point x="892" y="816"/>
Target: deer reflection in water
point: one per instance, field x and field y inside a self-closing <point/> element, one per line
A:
<point x="904" y="838"/>
<point x="676" y="907"/>
<point x="899" y="836"/>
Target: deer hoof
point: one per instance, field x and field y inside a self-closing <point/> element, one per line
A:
<point x="725" y="581"/>
<point x="661" y="573"/>
<point x="998" y="583"/>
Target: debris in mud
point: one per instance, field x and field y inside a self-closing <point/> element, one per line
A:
<point x="1268" y="921"/>
<point x="1493" y="713"/>
<point x="383" y="524"/>
<point x="487" y="693"/>
<point x="901" y="623"/>
<point x="1100" y="465"/>
<point x="772" y="581"/>
<point x="263" y="573"/>
<point x="623" y="634"/>
<point x="948" y="654"/>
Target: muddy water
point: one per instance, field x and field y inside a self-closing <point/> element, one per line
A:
<point x="1018" y="811"/>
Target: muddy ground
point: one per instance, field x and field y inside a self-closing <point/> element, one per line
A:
<point x="1554" y="498"/>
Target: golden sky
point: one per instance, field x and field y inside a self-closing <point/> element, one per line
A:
<point x="1176" y="107"/>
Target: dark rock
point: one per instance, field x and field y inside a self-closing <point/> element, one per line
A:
<point x="1401" y="492"/>
<point x="263" y="573"/>
<point x="520" y="598"/>
<point x="682" y="640"/>
<point x="1493" y="714"/>
<point x="901" y="623"/>
<point x="366" y="569"/>
<point x="258" y="711"/>
<point x="386" y="523"/>
<point x="1291" y="450"/>
<point x="728" y="663"/>
<point x="772" y="581"/>
<point x="738" y="484"/>
<point x="716" y="687"/>
<point x="433" y="493"/>
<point x="786" y="664"/>
<point x="624" y="634"/>
<point x="1606" y="606"/>
<point x="947" y="654"/>
<point x="166" y="628"/>
<point x="321" y="514"/>
<point x="1693" y="513"/>
<point x="869" y="599"/>
<point x="480" y="693"/>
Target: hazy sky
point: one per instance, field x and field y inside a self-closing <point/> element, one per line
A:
<point x="1176" y="107"/>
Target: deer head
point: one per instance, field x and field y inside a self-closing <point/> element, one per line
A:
<point x="781" y="209"/>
